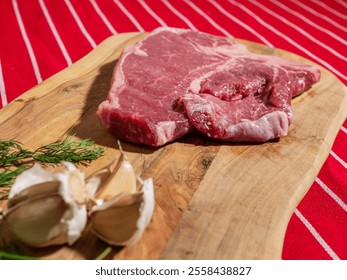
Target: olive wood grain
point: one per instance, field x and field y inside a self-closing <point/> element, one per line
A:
<point x="213" y="200"/>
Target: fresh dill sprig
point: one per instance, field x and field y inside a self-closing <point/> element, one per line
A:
<point x="68" y="150"/>
<point x="12" y="153"/>
<point x="7" y="176"/>
<point x="14" y="159"/>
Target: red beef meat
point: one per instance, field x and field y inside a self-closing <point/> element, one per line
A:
<point x="175" y="79"/>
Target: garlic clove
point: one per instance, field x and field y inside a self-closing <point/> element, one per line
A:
<point x="36" y="222"/>
<point x="95" y="181"/>
<point x="37" y="190"/>
<point x="115" y="221"/>
<point x="33" y="176"/>
<point x="123" y="219"/>
<point x="122" y="179"/>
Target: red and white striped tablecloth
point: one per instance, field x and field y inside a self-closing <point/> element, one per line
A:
<point x="38" y="38"/>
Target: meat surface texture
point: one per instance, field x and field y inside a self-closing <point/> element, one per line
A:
<point x="176" y="80"/>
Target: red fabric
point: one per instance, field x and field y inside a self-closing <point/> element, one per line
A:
<point x="313" y="29"/>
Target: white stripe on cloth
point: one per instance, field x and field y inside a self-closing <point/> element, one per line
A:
<point x="314" y="12"/>
<point x="308" y="21"/>
<point x="129" y="15"/>
<point x="316" y="235"/>
<point x="80" y="24"/>
<point x="2" y="88"/>
<point x="298" y="28"/>
<point x="103" y="17"/>
<point x="331" y="10"/>
<point x="208" y="18"/>
<point x="342" y="2"/>
<point x="27" y="42"/>
<point x="152" y="13"/>
<point x="240" y="22"/>
<point x="333" y="195"/>
<point x="291" y="41"/>
<point x="344" y="129"/>
<point x="55" y="32"/>
<point x="340" y="160"/>
<point x="179" y="15"/>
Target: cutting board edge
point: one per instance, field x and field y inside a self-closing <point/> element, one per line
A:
<point x="274" y="251"/>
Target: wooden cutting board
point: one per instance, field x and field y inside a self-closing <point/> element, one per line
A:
<point x="213" y="200"/>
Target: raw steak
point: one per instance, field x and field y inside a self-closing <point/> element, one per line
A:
<point x="176" y="79"/>
<point x="248" y="98"/>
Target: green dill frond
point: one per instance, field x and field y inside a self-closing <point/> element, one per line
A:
<point x="68" y="150"/>
<point x="14" y="159"/>
<point x="12" y="153"/>
<point x="7" y="176"/>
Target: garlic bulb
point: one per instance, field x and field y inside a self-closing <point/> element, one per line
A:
<point x="46" y="208"/>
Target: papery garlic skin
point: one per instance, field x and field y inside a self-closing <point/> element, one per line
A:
<point x="75" y="217"/>
<point x="146" y="210"/>
<point x="34" y="175"/>
<point x="76" y="225"/>
<point x="96" y="180"/>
